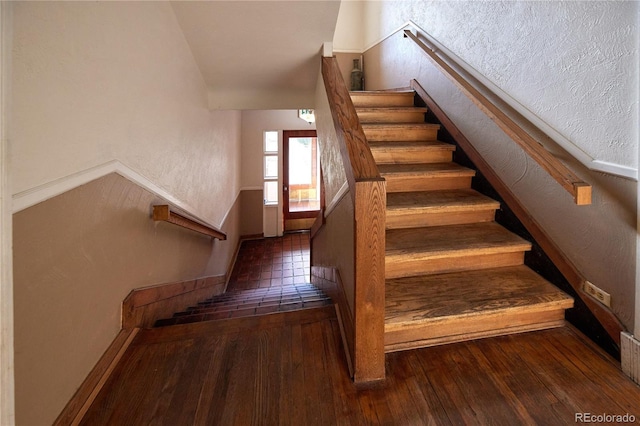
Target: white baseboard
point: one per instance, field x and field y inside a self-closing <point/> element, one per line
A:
<point x="630" y="356"/>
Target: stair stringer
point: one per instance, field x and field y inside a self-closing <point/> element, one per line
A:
<point x="545" y="257"/>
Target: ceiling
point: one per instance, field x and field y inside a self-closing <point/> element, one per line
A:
<point x="258" y="54"/>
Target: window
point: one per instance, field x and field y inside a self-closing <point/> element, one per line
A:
<point x="270" y="167"/>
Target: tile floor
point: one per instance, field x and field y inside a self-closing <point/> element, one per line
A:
<point x="270" y="275"/>
<point x="272" y="262"/>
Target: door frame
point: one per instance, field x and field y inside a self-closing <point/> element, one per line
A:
<point x="286" y="134"/>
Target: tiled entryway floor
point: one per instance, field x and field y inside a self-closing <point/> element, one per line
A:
<point x="272" y="262"/>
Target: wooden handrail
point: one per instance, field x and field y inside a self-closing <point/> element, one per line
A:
<point x="580" y="190"/>
<point x="368" y="193"/>
<point x="163" y="213"/>
<point x="356" y="154"/>
<point x="574" y="277"/>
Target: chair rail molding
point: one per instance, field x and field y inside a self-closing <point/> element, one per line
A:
<point x="38" y="194"/>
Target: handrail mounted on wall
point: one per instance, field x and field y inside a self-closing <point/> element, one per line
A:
<point x="163" y="213"/>
<point x="580" y="190"/>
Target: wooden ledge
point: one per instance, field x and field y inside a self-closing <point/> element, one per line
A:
<point x="164" y="213"/>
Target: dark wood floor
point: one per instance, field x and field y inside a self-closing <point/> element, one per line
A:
<point x="290" y="369"/>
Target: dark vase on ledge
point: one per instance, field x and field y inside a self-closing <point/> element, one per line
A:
<point x="356" y="76"/>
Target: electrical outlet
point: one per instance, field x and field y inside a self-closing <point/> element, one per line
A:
<point x="597" y="293"/>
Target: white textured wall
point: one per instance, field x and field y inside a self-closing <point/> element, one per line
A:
<point x="572" y="63"/>
<point x="96" y="82"/>
<point x="349" y="34"/>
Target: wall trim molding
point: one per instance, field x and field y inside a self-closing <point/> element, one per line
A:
<point x="30" y="197"/>
<point x="144" y="306"/>
<point x="79" y="404"/>
<point x="344" y="190"/>
<point x="574" y="150"/>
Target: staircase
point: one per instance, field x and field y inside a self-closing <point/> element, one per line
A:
<point x="452" y="272"/>
<point x="246" y="303"/>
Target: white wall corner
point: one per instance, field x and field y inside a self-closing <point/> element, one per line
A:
<point x="327" y="49"/>
<point x="630" y="356"/>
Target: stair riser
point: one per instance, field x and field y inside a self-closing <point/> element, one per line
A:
<point x="468" y="328"/>
<point x="382" y="100"/>
<point x="420" y="219"/>
<point x="401" y="135"/>
<point x="397" y="266"/>
<point x="391" y="117"/>
<point x="399" y="156"/>
<point x="422" y="183"/>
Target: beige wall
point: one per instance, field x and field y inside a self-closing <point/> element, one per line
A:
<point x="254" y="124"/>
<point x="333" y="246"/>
<point x="76" y="257"/>
<point x="95" y="82"/>
<point x="251" y="203"/>
<point x="600" y="239"/>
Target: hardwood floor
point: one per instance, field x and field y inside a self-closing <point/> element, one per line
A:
<point x="289" y="368"/>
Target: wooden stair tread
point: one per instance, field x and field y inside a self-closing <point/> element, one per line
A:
<point x="392" y="109"/>
<point x="433" y="170"/>
<point x="432" y="298"/>
<point x="382" y="98"/>
<point x="453" y="240"/>
<point x="401" y="126"/>
<point x="438" y="201"/>
<point x="412" y="145"/>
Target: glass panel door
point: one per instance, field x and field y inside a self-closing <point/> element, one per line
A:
<point x="301" y="180"/>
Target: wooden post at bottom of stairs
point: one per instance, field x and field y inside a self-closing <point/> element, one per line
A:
<point x="370" y="206"/>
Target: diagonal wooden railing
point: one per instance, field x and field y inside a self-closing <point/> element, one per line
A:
<point x="579" y="190"/>
<point x="368" y="193"/>
<point x="163" y="213"/>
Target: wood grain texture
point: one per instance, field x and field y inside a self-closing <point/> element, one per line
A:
<point x="438" y="208"/>
<point x="411" y="152"/>
<point x="457" y="306"/>
<point x="385" y="99"/>
<point x="391" y="114"/>
<point x="579" y="189"/>
<point x="605" y="316"/>
<point x="164" y="213"/>
<point x="368" y="193"/>
<point x="328" y="280"/>
<point x="370" y="209"/>
<point x="78" y="405"/>
<point x="356" y="155"/>
<point x="293" y="373"/>
<point x="451" y="248"/>
<point x="144" y="306"/>
<point x="425" y="177"/>
<point x="400" y="131"/>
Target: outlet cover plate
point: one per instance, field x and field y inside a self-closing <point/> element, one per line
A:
<point x="597" y="293"/>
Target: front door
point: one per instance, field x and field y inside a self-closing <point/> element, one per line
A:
<point x="301" y="179"/>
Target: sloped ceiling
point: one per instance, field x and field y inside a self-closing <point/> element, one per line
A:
<point x="258" y="54"/>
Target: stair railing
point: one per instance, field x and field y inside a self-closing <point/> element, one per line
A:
<point x="163" y="213"/>
<point x="368" y="192"/>
<point x="579" y="190"/>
